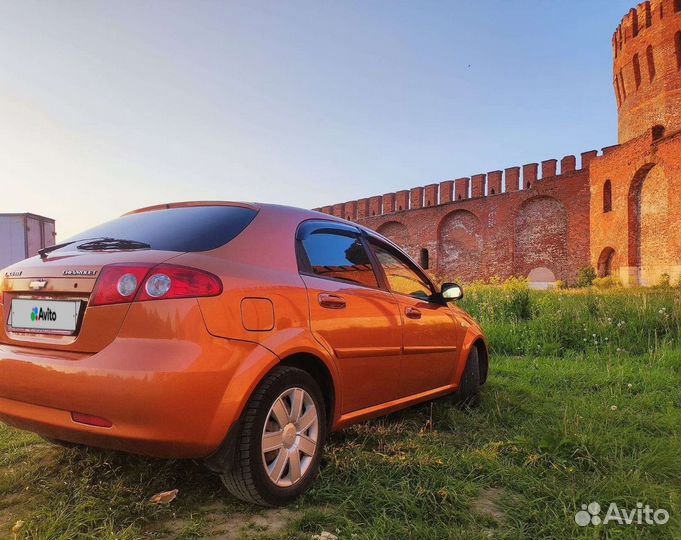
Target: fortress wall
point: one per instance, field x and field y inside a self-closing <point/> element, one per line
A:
<point x="494" y="224"/>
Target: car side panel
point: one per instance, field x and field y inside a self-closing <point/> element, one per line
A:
<point x="231" y="315"/>
<point x="364" y="336"/>
<point x="430" y="345"/>
<point x="287" y="344"/>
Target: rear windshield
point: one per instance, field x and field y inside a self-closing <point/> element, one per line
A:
<point x="189" y="228"/>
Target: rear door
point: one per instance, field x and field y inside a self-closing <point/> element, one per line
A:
<point x="430" y="328"/>
<point x="34" y="235"/>
<point x="49" y="233"/>
<point x="350" y="314"/>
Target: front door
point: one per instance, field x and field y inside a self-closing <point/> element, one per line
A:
<point x="429" y="335"/>
<point x="350" y="314"/>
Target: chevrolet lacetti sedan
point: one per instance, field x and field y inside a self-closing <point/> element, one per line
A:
<point x="240" y="334"/>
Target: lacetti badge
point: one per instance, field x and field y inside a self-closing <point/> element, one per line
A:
<point x="40" y="314"/>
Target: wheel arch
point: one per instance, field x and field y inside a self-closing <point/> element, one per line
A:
<point x="473" y="338"/>
<point x="319" y="371"/>
<point x="301" y="359"/>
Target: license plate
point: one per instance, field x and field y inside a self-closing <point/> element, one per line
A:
<point x="46" y="315"/>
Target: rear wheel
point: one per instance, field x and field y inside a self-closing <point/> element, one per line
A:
<point x="468" y="393"/>
<point x="280" y="445"/>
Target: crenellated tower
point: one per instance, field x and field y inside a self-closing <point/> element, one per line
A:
<point x="635" y="216"/>
<point x="647" y="69"/>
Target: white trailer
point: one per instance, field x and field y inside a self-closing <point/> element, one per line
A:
<point x="22" y="235"/>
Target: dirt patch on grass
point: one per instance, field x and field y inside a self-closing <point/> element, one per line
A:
<point x="219" y="521"/>
<point x="488" y="504"/>
<point x="12" y="509"/>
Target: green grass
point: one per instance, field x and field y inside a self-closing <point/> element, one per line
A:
<point x="545" y="440"/>
<point x="518" y="321"/>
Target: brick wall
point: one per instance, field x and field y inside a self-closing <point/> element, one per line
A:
<point x="642" y="230"/>
<point x="500" y="230"/>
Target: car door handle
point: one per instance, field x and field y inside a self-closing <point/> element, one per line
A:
<point x="331" y="301"/>
<point x="412" y="313"/>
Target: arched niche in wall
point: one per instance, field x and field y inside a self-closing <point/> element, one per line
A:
<point x="650" y="230"/>
<point x="540" y="236"/>
<point x="606" y="262"/>
<point x="541" y="278"/>
<point x="459" y="246"/>
<point x="395" y="231"/>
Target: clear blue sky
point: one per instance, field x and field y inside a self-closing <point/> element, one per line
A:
<point x="109" y="106"/>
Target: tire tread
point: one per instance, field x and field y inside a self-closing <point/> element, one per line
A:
<point x="238" y="479"/>
<point x="468" y="393"/>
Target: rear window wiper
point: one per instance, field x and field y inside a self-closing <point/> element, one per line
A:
<point x="96" y="244"/>
<point x="47" y="250"/>
<point x="113" y="243"/>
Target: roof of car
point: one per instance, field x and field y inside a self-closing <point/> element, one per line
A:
<point x="301" y="214"/>
<point x="304" y="213"/>
<point x="181" y="204"/>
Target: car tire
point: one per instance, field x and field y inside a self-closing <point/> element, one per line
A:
<point x="468" y="393"/>
<point x="278" y="476"/>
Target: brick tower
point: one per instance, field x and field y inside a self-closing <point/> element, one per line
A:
<point x="636" y="186"/>
<point x="646" y="75"/>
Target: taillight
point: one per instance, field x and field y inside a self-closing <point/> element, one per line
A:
<point x="124" y="283"/>
<point x="171" y="281"/>
<point x="119" y="283"/>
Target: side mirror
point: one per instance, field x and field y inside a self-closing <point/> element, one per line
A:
<point x="451" y="291"/>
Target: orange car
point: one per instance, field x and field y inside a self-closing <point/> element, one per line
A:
<point x="237" y="333"/>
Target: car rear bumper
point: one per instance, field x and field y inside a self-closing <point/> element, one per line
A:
<point x="165" y="398"/>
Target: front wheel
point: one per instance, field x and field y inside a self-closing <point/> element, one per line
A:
<point x="281" y="441"/>
<point x="468" y="393"/>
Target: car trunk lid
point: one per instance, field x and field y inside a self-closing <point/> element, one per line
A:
<point x="45" y="300"/>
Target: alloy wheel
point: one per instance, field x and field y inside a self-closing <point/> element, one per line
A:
<point x="290" y="437"/>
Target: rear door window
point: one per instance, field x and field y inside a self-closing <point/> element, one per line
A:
<point x="184" y="229"/>
<point x="335" y="252"/>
